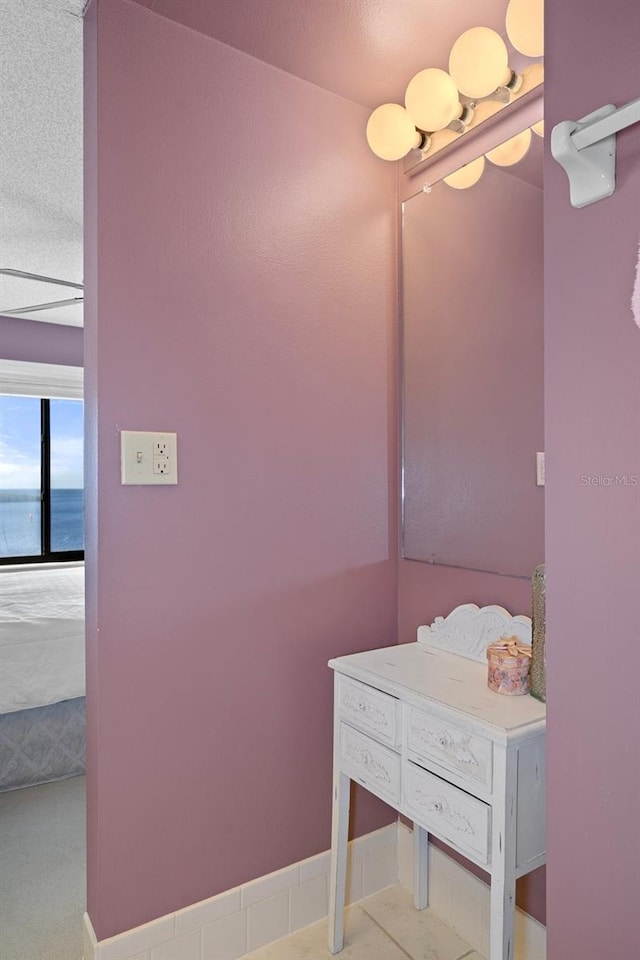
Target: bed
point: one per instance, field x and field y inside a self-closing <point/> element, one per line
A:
<point x="42" y="684"/>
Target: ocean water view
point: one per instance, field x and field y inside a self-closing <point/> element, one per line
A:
<point x="20" y="522"/>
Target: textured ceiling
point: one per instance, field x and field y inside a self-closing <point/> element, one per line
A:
<point x="41" y="151"/>
<point x="363" y="50"/>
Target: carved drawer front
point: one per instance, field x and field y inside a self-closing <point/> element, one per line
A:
<point x="376" y="767"/>
<point x="370" y="710"/>
<point x="468" y="756"/>
<point x="447" y="811"/>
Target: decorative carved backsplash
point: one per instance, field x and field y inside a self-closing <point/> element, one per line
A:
<point x="469" y="629"/>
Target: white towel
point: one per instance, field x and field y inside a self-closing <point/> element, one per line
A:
<point x="635" y="297"/>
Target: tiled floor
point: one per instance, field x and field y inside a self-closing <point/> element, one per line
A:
<point x="382" y="927"/>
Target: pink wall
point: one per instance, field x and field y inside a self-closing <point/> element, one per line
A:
<point x="40" y="342"/>
<point x="592" y="372"/>
<point x="240" y="290"/>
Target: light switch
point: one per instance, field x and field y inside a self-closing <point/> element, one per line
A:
<point x="148" y="458"/>
<point x="540" y="469"/>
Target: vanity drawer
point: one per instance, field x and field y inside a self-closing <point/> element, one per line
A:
<point x="448" y="812"/>
<point x="376" y="767"/>
<point x="369" y="710"/>
<point x="468" y="756"/>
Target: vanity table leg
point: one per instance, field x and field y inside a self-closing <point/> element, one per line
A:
<point x="338" y="871"/>
<point x="420" y="867"/>
<point x="503" y="855"/>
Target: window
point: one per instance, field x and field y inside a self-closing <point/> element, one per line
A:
<point x="41" y="479"/>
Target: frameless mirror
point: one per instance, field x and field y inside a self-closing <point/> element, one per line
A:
<point x="473" y="371"/>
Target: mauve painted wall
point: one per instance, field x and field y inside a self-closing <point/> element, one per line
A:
<point x="240" y="290"/>
<point x="592" y="371"/>
<point x="39" y="342"/>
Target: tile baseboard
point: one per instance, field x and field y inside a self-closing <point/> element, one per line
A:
<point x="462" y="900"/>
<point x="228" y="926"/>
<point x="238" y="921"/>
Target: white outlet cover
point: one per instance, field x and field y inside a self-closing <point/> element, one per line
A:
<point x="137" y="458"/>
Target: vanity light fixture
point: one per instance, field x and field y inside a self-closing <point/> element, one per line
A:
<point x="466" y="176"/>
<point x="511" y="151"/>
<point x="525" y="26"/>
<point x="478" y="83"/>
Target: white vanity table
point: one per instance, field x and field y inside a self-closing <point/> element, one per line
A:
<point x="417" y="726"/>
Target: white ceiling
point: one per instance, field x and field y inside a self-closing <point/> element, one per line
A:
<point x="41" y="152"/>
<point x="365" y="50"/>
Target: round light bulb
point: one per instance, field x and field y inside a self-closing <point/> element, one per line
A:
<point x="432" y="99"/>
<point x="538" y="128"/>
<point x="391" y="133"/>
<point x="525" y="26"/>
<point x="511" y="151"/>
<point x="479" y="62"/>
<point x="466" y="176"/>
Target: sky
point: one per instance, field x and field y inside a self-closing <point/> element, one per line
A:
<point x="20" y="443"/>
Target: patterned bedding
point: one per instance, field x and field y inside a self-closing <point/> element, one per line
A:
<point x="43" y="744"/>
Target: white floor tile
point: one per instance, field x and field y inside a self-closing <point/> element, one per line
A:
<point x="419" y="932"/>
<point x="364" y="940"/>
<point x="385" y="926"/>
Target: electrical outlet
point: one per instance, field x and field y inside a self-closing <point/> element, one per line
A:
<point x="148" y="458"/>
<point x="161" y="447"/>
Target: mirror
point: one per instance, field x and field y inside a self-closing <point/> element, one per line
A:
<point x="473" y="371"/>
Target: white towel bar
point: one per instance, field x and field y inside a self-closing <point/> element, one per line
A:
<point x="586" y="150"/>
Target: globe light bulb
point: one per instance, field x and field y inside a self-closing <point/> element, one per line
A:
<point x="391" y="133"/>
<point x="479" y="62"/>
<point x="466" y="176"/>
<point x="538" y="128"/>
<point x="525" y="26"/>
<point x="432" y="99"/>
<point x="511" y="151"/>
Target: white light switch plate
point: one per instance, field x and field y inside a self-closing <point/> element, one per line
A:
<point x="540" y="469"/>
<point x="148" y="458"/>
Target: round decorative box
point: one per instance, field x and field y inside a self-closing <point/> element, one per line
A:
<point x="509" y="663"/>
